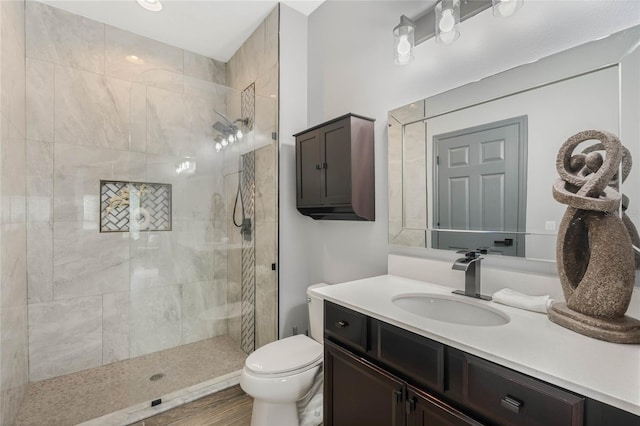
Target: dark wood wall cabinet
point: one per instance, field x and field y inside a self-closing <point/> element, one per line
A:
<point x="335" y="170"/>
<point x="380" y="374"/>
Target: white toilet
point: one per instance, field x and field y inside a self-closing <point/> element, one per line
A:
<point x="283" y="372"/>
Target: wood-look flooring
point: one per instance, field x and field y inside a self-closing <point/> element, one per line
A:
<point x="230" y="407"/>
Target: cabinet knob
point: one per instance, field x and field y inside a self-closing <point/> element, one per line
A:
<point x="318" y="166"/>
<point x="342" y="324"/>
<point x="511" y="404"/>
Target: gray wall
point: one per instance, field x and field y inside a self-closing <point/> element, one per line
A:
<point x="294" y="228"/>
<point x="351" y="69"/>
<point x="13" y="274"/>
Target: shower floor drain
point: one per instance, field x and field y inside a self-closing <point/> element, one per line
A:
<point x="156" y="377"/>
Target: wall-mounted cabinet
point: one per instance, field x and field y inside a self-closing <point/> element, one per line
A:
<point x="335" y="171"/>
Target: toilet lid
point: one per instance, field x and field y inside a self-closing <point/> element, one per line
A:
<point x="289" y="354"/>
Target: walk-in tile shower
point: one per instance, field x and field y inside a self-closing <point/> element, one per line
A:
<point x="151" y="254"/>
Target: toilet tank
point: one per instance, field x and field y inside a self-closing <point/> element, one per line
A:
<point x="315" y="303"/>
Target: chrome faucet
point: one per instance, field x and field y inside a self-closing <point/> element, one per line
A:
<point x="470" y="264"/>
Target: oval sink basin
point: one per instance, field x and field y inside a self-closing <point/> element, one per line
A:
<point x="450" y="309"/>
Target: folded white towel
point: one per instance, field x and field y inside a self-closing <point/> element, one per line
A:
<point x="509" y="297"/>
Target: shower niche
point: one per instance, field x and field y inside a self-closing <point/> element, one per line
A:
<point x="137" y="206"/>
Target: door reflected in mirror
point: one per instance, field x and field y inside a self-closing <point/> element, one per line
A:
<point x="456" y="182"/>
<point x="480" y="185"/>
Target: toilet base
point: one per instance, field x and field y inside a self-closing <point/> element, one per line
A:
<point x="269" y="414"/>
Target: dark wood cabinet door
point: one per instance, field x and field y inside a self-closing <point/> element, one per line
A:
<point x="357" y="393"/>
<point x="335" y="140"/>
<point x="308" y="169"/>
<point x="426" y="410"/>
<point x="417" y="358"/>
<point x="509" y="398"/>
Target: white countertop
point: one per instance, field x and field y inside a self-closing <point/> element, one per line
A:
<point x="529" y="343"/>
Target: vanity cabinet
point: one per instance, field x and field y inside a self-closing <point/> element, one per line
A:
<point x="335" y="169"/>
<point x="377" y="373"/>
<point x="360" y="393"/>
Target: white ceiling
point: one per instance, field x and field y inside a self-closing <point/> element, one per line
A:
<point x="214" y="28"/>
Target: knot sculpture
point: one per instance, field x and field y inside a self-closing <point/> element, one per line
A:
<point x="626" y="163"/>
<point x="594" y="253"/>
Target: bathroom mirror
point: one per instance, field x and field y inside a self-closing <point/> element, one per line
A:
<point x="591" y="86"/>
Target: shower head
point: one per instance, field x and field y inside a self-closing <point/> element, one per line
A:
<point x="228" y="122"/>
<point x="227" y="126"/>
<point x="220" y="127"/>
<point x="228" y="131"/>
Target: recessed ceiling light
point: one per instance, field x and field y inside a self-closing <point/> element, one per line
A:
<point x="152" y="5"/>
<point x="135" y="59"/>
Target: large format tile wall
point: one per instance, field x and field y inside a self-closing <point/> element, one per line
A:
<point x="13" y="275"/>
<point x="95" y="298"/>
<point x="257" y="62"/>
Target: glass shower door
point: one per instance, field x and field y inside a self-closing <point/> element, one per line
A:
<point x="202" y="287"/>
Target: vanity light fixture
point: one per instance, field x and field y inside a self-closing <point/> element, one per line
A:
<point x="152" y="5"/>
<point x="442" y="22"/>
<point x="229" y="137"/>
<point x="186" y="166"/>
<point x="228" y="132"/>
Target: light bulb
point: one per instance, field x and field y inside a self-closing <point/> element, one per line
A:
<point x="404" y="47"/>
<point x="239" y="134"/>
<point x="403" y="59"/>
<point x="218" y="146"/>
<point x="447" y="37"/>
<point x="232" y="139"/>
<point x="152" y="5"/>
<point x="506" y="8"/>
<point x="224" y="142"/>
<point x="447" y="22"/>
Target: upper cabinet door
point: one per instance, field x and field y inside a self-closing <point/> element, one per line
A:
<point x="308" y="169"/>
<point x="335" y="169"/>
<point x="336" y="162"/>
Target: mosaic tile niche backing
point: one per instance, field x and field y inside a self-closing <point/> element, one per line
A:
<point x="134" y="205"/>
